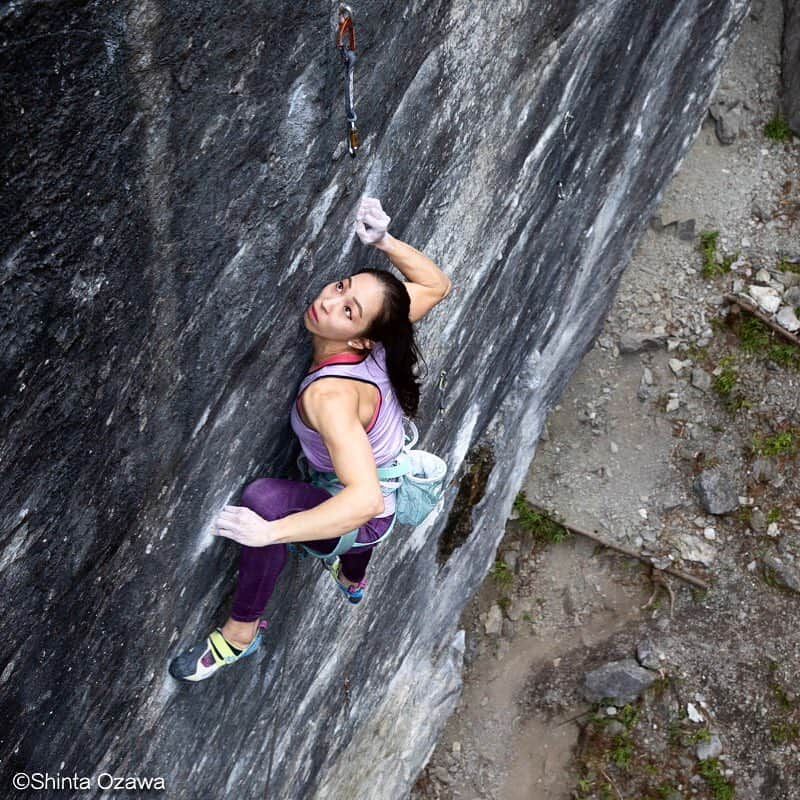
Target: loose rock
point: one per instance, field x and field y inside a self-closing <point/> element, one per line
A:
<point x="716" y="491"/>
<point x="784" y="574"/>
<point x="620" y="681"/>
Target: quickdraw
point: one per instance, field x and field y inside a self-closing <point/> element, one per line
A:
<point x="348" y="53"/>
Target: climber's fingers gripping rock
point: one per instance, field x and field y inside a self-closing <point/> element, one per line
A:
<point x="372" y="221"/>
<point x="243" y="525"/>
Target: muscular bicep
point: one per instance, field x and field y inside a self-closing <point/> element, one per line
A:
<point x="423" y="298"/>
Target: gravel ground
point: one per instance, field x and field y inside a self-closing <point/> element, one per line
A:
<point x="682" y="390"/>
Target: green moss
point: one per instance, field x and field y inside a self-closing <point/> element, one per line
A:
<point x="784" y="732"/>
<point x="501" y="574"/>
<point x="621" y="751"/>
<point x="721" y="789"/>
<point x="756" y="338"/>
<point x="727" y="378"/>
<point x="544" y="528"/>
<point x="784" y="265"/>
<point x="783" y="443"/>
<point x="774" y="515"/>
<point x="712" y="266"/>
<point x="754" y="335"/>
<point x="701" y="735"/>
<point x="778" y="128"/>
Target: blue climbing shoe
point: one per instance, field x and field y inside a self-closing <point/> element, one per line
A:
<point x="354" y="594"/>
<point x="205" y="658"/>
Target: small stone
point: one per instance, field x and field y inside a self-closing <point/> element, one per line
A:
<point x="686" y="230"/>
<point x="758" y="520"/>
<point x="456" y="748"/>
<point x="764" y="470"/>
<point x="709" y="749"/>
<point x="611" y="711"/>
<point x="701" y="379"/>
<point x="646" y="654"/>
<point x="788" y="319"/>
<point x="716" y="491"/>
<point x="762" y="276"/>
<point x="760" y="213"/>
<point x="647" y="376"/>
<point x="694" y="714"/>
<point x="694" y="549"/>
<point x="710" y="534"/>
<point x="677" y="366"/>
<point x="441" y="775"/>
<point x="792" y="296"/>
<point x="614" y="727"/>
<point x="636" y="341"/>
<point x="766" y="297"/>
<point x="614" y="447"/>
<point x="784" y="574"/>
<point x="673" y="404"/>
<point x="620" y="681"/>
<point x="494" y="621"/>
<point x="772" y="530"/>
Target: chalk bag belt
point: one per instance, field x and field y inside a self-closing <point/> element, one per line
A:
<point x="390" y="476"/>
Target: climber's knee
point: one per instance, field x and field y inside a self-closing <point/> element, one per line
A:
<point x="259" y="496"/>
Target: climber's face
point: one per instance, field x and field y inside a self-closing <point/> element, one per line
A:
<point x="345" y="308"/>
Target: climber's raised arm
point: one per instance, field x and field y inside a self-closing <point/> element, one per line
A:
<point x="427" y="285"/>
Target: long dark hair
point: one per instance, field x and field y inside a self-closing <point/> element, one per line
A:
<point x="393" y="329"/>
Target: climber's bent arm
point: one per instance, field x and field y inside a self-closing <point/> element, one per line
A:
<point x="331" y="406"/>
<point x="427" y="285"/>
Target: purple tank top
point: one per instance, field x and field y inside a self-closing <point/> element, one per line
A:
<point x="385" y="430"/>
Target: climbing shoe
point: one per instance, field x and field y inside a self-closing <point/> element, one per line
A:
<point x="205" y="658"/>
<point x="354" y="594"/>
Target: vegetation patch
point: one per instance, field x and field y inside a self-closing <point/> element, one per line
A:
<point x="784" y="265"/>
<point x="778" y="128"/>
<point x="727" y="378"/>
<point x="783" y="443"/>
<point x="544" y="527"/>
<point x="713" y="265"/>
<point x="757" y="339"/>
<point x="502" y="575"/>
<point x="721" y="788"/>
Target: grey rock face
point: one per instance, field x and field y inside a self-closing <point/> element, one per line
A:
<point x="620" y="681"/>
<point x="716" y="491"/>
<point x="174" y="197"/>
<point x="790" y="68"/>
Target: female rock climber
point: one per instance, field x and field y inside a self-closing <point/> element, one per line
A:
<point x="349" y="423"/>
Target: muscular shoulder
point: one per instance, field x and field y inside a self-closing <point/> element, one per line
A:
<point x="329" y="401"/>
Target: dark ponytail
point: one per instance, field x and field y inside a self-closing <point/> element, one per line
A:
<point x="393" y="329"/>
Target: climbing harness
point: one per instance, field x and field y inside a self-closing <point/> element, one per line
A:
<point x="347" y="51"/>
<point x="417" y="478"/>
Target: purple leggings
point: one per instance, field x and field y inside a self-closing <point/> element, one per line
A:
<point x="259" y="567"/>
